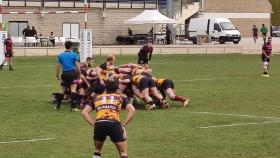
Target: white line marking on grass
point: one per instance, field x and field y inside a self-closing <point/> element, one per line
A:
<point x="237" y="115"/>
<point x="27" y="140"/>
<point x="27" y="86"/>
<point x="27" y="66"/>
<point x="240" y="124"/>
<point x="212" y="79"/>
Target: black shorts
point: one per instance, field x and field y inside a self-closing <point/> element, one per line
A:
<point x="167" y="84"/>
<point x="68" y="77"/>
<point x="143" y="61"/>
<point x="255" y="35"/>
<point x="8" y="54"/>
<point x="146" y="82"/>
<point x="105" y="128"/>
<point x="264" y="34"/>
<point x="264" y="58"/>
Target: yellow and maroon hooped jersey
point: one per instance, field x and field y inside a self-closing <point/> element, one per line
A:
<point x="136" y="79"/>
<point x="107" y="71"/>
<point x="108" y="106"/>
<point x="159" y="82"/>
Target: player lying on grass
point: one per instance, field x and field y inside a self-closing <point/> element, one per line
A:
<point x="134" y="81"/>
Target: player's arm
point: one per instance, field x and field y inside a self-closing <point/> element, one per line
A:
<point x="131" y="111"/>
<point x="57" y="70"/>
<point x="86" y="115"/>
<point x="99" y="69"/>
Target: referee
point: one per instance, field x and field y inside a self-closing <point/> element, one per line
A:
<point x="69" y="61"/>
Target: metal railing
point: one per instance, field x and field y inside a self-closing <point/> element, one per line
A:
<point x="80" y="3"/>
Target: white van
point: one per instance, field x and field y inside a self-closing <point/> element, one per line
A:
<point x="220" y="29"/>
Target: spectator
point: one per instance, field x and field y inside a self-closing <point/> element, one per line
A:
<point x="34" y="32"/>
<point x="52" y="39"/>
<point x="151" y="32"/>
<point x="27" y="32"/>
<point x="168" y="35"/>
<point x="130" y="33"/>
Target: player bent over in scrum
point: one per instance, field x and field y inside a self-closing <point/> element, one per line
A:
<point x="108" y="107"/>
<point x="166" y="87"/>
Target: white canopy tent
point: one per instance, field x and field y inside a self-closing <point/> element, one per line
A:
<point x="150" y="17"/>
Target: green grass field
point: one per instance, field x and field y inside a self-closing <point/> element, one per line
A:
<point x="218" y="85"/>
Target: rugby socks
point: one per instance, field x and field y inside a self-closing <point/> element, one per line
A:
<point x="1" y="66"/>
<point x="96" y="155"/>
<point x="179" y="98"/>
<point x="73" y="97"/>
<point x="58" y="98"/>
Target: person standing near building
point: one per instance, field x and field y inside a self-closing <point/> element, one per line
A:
<point x="168" y="36"/>
<point x="264" y="31"/>
<point x="34" y="32"/>
<point x="52" y="39"/>
<point x="108" y="106"/>
<point x="255" y="31"/>
<point x="143" y="58"/>
<point x="266" y="56"/>
<point x="8" y="52"/>
<point x="68" y="60"/>
<point x="26" y="32"/>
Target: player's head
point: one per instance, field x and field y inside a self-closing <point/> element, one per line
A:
<point x="110" y="59"/>
<point x="9" y="35"/>
<point x="269" y="40"/>
<point x="263" y="25"/>
<point x="68" y="45"/>
<point x="112" y="86"/>
<point x="254" y="25"/>
<point x="88" y="61"/>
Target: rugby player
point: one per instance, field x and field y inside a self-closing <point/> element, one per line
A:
<point x="166" y="87"/>
<point x="143" y="58"/>
<point x="68" y="60"/>
<point x="146" y="85"/>
<point x="8" y="52"/>
<point x="255" y="31"/>
<point x="107" y="123"/>
<point x="266" y="56"/>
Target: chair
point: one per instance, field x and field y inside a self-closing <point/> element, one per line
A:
<point x="31" y="40"/>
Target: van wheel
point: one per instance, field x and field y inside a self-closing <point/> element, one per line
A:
<point x="235" y="42"/>
<point x="274" y="35"/>
<point x="194" y="40"/>
<point x="222" y="41"/>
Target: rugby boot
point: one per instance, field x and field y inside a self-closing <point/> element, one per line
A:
<point x="11" y="68"/>
<point x="186" y="102"/>
<point x="150" y="107"/>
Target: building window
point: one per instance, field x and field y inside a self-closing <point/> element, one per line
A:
<point x="71" y="30"/>
<point x="16" y="28"/>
